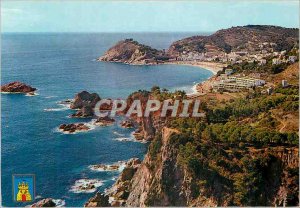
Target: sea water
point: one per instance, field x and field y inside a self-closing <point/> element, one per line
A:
<point x="59" y="66"/>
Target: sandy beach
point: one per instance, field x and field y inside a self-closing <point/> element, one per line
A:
<point x="206" y="85"/>
<point x="211" y="66"/>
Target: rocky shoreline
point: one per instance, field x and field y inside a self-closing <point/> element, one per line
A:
<point x="117" y="195"/>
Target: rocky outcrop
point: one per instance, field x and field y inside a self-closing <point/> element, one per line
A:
<point x="84" y="112"/>
<point x="99" y="200"/>
<point x="85" y="102"/>
<point x="85" y="98"/>
<point x="131" y="52"/>
<point x="104" y="121"/>
<point x="120" y="190"/>
<point x="17" y="87"/>
<point x="72" y="128"/>
<point x="128" y="124"/>
<point x="118" y="193"/>
<point x="48" y="202"/>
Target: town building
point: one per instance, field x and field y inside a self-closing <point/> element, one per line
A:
<point x="284" y="83"/>
<point x="233" y="83"/>
<point x="292" y="59"/>
<point x="262" y="62"/>
<point x="276" y="61"/>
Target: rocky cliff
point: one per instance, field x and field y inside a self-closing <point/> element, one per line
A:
<point x="163" y="180"/>
<point x="131" y="52"/>
<point x="159" y="180"/>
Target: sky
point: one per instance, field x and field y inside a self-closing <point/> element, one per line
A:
<point x="143" y="16"/>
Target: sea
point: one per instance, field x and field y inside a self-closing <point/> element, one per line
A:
<point x="60" y="65"/>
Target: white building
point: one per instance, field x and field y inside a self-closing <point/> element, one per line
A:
<point x="262" y="61"/>
<point x="284" y="83"/>
<point x="292" y="59"/>
<point x="233" y="83"/>
<point x="276" y="61"/>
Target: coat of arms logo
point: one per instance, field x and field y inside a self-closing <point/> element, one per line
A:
<point x="23" y="188"/>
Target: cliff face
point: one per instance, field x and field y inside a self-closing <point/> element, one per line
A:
<point x="162" y="180"/>
<point x="241" y="38"/>
<point x="158" y="181"/>
<point x="131" y="52"/>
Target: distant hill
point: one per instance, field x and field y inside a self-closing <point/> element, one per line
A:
<point x="241" y="38"/>
<point x="251" y="39"/>
<point x="131" y="52"/>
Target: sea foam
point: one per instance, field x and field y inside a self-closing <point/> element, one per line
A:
<point x="86" y="185"/>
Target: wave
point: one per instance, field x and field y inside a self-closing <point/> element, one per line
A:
<point x="86" y="185"/>
<point x="59" y="202"/>
<point x="55" y="109"/>
<point x="38" y="197"/>
<point x="114" y="178"/>
<point x="118" y="166"/>
<point x="193" y="89"/>
<point x="129" y="139"/>
<point x="119" y="134"/>
<point x="21" y="93"/>
<point x="65" y="103"/>
<point x="31" y="94"/>
<point x="124" y="139"/>
<point x="51" y="96"/>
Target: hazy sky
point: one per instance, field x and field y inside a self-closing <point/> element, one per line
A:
<point x="143" y="16"/>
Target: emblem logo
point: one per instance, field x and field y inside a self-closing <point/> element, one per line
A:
<point x="24" y="187"/>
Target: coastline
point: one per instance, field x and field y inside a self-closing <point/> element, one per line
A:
<point x="211" y="66"/>
<point x="214" y="67"/>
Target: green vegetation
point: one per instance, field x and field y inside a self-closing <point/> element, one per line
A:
<point x="246" y="67"/>
<point x="233" y="148"/>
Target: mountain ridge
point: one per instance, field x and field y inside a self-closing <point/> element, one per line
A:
<point x="249" y="38"/>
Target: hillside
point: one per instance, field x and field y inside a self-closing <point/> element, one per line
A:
<point x="243" y="153"/>
<point x="241" y="38"/>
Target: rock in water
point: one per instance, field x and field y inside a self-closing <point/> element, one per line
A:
<point x="17" y="87"/>
<point x="99" y="200"/>
<point x="85" y="98"/>
<point x="104" y="121"/>
<point x="72" y="128"/>
<point x="127" y="124"/>
<point x="85" y="102"/>
<point x="48" y="202"/>
<point x="84" y="112"/>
